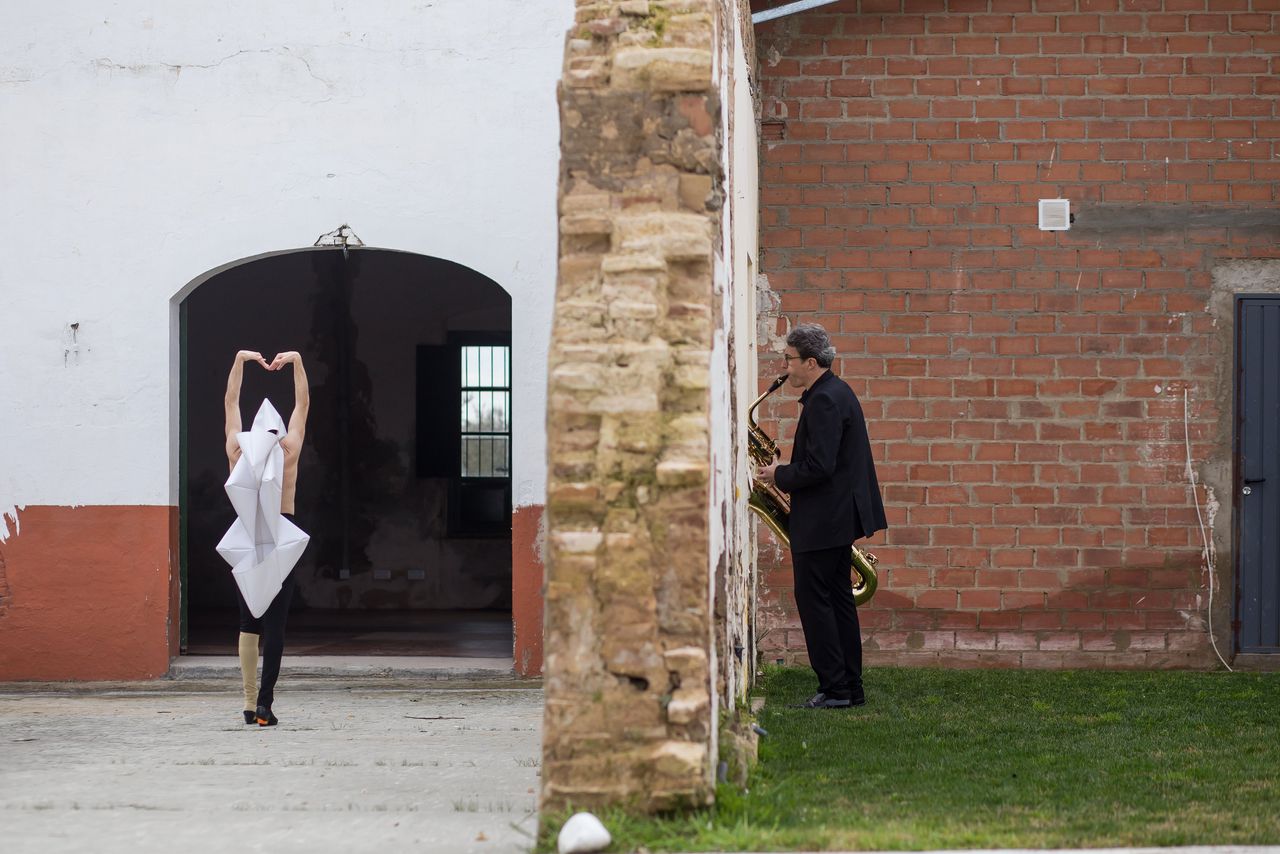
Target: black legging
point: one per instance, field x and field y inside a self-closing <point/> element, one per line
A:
<point x="271" y="627"/>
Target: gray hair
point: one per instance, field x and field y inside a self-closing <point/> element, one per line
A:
<point x="811" y="342"/>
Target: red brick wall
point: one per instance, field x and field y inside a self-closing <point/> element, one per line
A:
<point x="1024" y="389"/>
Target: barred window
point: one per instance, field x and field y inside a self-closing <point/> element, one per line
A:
<point x="485" y="425"/>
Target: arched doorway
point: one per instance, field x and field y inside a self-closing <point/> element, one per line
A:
<point x="404" y="480"/>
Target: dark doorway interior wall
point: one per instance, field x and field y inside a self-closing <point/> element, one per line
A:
<point x="382" y="554"/>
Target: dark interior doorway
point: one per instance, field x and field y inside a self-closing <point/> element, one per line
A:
<point x="404" y="479"/>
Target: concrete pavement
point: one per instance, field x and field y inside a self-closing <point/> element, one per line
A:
<point x="357" y="764"/>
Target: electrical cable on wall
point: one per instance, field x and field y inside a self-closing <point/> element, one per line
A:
<point x="1208" y="551"/>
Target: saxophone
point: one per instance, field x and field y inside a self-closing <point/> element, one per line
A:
<point x="774" y="507"/>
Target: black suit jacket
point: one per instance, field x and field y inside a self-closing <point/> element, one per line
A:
<point x="835" y="497"/>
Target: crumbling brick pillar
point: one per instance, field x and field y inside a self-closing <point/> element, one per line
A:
<point x="630" y="695"/>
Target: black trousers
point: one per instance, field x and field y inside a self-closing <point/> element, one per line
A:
<point x="271" y="627"/>
<point x="829" y="617"/>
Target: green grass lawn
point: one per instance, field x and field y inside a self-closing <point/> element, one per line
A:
<point x="966" y="759"/>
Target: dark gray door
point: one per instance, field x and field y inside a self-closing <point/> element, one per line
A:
<point x="1258" y="475"/>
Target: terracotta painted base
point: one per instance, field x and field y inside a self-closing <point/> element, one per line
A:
<point x="88" y="594"/>
<point x="526" y="588"/>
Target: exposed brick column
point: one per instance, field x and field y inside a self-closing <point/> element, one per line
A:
<point x="627" y="671"/>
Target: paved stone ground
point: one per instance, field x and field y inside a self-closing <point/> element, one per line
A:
<point x="355" y="765"/>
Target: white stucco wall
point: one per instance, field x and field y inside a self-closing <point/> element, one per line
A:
<point x="148" y="143"/>
<point x="733" y="358"/>
<point x="745" y="189"/>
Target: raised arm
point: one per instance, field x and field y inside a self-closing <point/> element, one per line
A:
<point x="301" y="396"/>
<point x="231" y="402"/>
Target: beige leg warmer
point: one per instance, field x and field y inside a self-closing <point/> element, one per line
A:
<point x="249" y="669"/>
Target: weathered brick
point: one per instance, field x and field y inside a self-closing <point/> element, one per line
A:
<point x="1115" y="89"/>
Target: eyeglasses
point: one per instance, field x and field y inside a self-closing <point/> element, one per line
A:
<point x="788" y="359"/>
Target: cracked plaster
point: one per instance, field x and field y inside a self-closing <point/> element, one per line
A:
<point x="158" y="145"/>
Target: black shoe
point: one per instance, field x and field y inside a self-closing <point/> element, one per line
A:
<point x="822" y="701"/>
<point x="264" y="717"/>
<point x="250" y="717"/>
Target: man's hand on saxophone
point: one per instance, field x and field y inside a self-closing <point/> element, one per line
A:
<point x="766" y="473"/>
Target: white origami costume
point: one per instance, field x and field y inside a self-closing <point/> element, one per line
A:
<point x="261" y="545"/>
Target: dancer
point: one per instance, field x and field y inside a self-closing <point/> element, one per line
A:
<point x="263" y="544"/>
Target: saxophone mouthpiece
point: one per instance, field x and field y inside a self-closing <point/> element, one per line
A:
<point x="776" y="383"/>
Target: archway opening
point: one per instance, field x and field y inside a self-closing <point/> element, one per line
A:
<point x="404" y="480"/>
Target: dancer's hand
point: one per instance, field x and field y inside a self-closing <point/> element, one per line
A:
<point x="288" y="357"/>
<point x="252" y="356"/>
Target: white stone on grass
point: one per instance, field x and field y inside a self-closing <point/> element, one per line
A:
<point x="582" y="834"/>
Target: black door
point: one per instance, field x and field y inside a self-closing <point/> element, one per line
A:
<point x="1258" y="474"/>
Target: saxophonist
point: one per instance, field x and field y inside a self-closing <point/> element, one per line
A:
<point x="835" y="500"/>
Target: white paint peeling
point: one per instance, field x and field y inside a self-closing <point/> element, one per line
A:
<point x="1211" y="509"/>
<point x="1208" y="554"/>
<point x="733" y="376"/>
<point x="9" y="517"/>
<point x="768" y="312"/>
